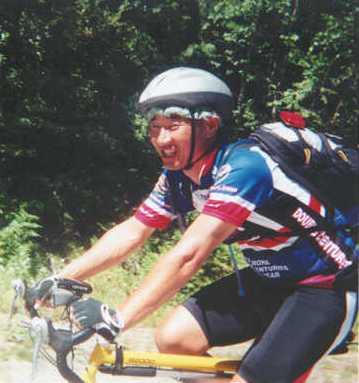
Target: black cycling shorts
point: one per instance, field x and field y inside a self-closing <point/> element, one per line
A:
<point x="292" y="328"/>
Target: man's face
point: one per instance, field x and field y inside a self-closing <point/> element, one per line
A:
<point x="171" y="137"/>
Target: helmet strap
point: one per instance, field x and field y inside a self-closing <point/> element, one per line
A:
<point x="190" y="161"/>
<point x="203" y="154"/>
<point x="193" y="144"/>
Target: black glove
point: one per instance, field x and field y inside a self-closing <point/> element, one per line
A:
<point x="97" y="315"/>
<point x="41" y="290"/>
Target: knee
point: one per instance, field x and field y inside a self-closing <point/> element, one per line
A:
<point x="177" y="335"/>
<point x="173" y="341"/>
<point x="167" y="340"/>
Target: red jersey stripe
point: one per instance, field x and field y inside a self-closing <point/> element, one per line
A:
<point x="151" y="218"/>
<point x="227" y="211"/>
<point x="315" y="204"/>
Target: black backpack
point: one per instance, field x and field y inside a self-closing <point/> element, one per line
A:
<point x="331" y="172"/>
<point x="326" y="165"/>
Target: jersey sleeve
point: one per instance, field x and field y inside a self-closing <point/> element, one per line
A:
<point x="242" y="182"/>
<point x="157" y="211"/>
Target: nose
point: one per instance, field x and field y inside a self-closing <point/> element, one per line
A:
<point x="164" y="136"/>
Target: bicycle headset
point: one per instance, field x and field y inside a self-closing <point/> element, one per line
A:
<point x="189" y="92"/>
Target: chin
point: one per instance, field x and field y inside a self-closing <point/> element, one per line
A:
<point x="171" y="165"/>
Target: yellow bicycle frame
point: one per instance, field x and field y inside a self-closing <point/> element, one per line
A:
<point x="106" y="355"/>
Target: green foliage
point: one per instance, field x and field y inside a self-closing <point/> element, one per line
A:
<point x="283" y="55"/>
<point x="19" y="234"/>
<point x="71" y="73"/>
<point x="326" y="90"/>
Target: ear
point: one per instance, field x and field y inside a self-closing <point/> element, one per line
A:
<point x="211" y="125"/>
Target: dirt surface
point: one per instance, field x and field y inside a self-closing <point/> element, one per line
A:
<point x="15" y="357"/>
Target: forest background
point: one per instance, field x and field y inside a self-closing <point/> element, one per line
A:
<point x="74" y="156"/>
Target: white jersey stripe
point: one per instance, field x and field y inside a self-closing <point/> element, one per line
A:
<point x="280" y="246"/>
<point x="263" y="221"/>
<point x="283" y="183"/>
<point x="152" y="205"/>
<point x="154" y="198"/>
<point x="232" y="198"/>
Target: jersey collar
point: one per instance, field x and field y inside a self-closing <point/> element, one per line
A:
<point x="208" y="164"/>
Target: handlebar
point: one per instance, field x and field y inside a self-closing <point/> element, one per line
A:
<point x="43" y="331"/>
<point x="62" y="342"/>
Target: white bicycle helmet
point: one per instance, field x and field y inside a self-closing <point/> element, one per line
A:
<point x="188" y="88"/>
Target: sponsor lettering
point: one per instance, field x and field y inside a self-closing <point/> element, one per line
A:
<point x="141" y="362"/>
<point x="325" y="243"/>
<point x="224" y="188"/>
<point x="264" y="267"/>
<point x="304" y="219"/>
<point x="259" y="262"/>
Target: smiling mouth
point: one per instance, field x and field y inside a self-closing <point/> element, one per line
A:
<point x="169" y="152"/>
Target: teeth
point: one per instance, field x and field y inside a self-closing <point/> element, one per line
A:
<point x="169" y="151"/>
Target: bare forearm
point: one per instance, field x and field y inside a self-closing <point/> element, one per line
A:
<point x="111" y="249"/>
<point x="175" y="269"/>
<point x="167" y="277"/>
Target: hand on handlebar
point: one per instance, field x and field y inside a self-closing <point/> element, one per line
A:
<point x="40" y="293"/>
<point x="55" y="291"/>
<point x="91" y="313"/>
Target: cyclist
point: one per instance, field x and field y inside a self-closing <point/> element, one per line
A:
<point x="284" y="299"/>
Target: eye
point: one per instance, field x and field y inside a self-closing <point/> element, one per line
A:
<point x="173" y="127"/>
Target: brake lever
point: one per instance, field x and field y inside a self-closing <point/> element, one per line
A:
<point x="19" y="291"/>
<point x="41" y="330"/>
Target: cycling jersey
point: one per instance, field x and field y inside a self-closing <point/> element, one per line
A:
<point x="243" y="186"/>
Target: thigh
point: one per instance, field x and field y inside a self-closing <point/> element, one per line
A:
<point x="226" y="317"/>
<point x="304" y="328"/>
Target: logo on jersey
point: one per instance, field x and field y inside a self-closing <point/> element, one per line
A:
<point x="323" y="240"/>
<point x="264" y="267"/>
<point x="223" y="172"/>
<point x="199" y="198"/>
